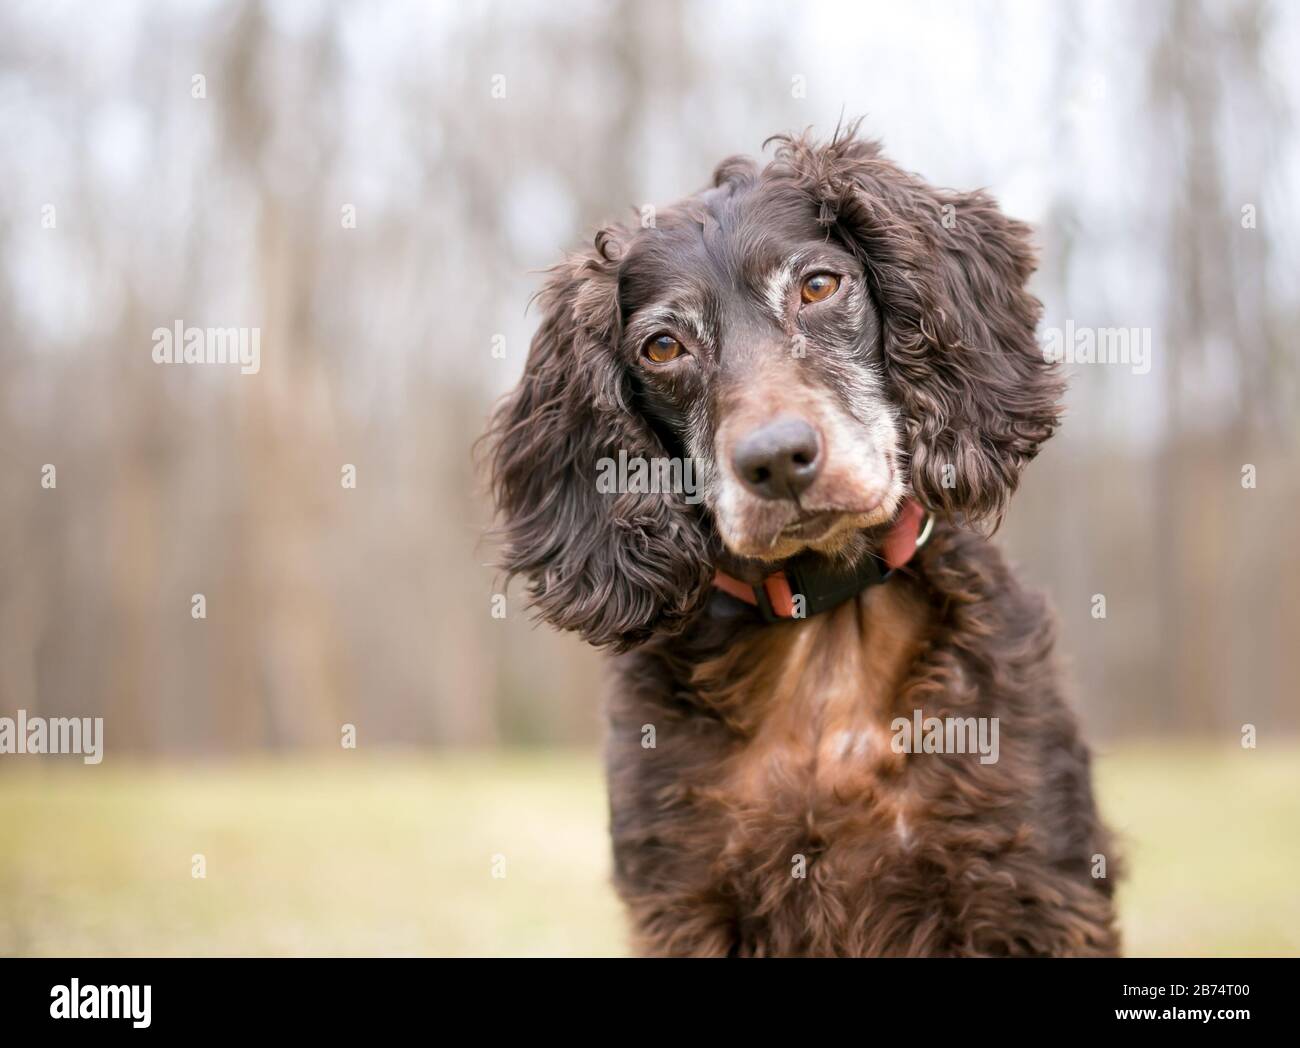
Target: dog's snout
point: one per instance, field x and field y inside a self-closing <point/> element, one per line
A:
<point x="778" y="460"/>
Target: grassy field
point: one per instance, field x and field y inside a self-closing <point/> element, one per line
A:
<point x="394" y="854"/>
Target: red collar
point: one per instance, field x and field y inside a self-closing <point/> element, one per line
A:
<point x="822" y="587"/>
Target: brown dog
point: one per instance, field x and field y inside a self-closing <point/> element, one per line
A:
<point x="826" y="740"/>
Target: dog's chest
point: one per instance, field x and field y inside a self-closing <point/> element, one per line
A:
<point x="811" y="705"/>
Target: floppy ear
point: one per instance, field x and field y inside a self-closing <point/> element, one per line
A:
<point x="948" y="271"/>
<point x="615" y="567"/>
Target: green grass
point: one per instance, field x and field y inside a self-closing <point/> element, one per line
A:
<point x="393" y="854"/>
<point x="1211" y="845"/>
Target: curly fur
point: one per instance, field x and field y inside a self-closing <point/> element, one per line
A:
<point x="771" y="741"/>
<point x="615" y="570"/>
<point x="948" y="270"/>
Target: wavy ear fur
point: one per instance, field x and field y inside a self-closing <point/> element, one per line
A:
<point x="948" y="271"/>
<point x="613" y="567"/>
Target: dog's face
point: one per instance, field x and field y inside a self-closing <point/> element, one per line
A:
<point x="819" y="338"/>
<point x="754" y="346"/>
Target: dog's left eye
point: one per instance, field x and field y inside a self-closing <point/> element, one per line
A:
<point x="819" y="287"/>
<point x="663" y="348"/>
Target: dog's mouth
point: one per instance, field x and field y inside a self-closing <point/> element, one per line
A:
<point x="787" y="532"/>
<point x="812" y="526"/>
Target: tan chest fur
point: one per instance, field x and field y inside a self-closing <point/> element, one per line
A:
<point x="811" y="703"/>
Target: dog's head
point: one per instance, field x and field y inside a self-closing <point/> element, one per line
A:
<point x="793" y="351"/>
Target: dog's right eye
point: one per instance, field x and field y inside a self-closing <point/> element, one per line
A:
<point x="819" y="287"/>
<point x="662" y="348"/>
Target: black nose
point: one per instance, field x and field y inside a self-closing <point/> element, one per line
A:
<point x="778" y="460"/>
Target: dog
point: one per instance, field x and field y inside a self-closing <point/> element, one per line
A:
<point x="848" y="357"/>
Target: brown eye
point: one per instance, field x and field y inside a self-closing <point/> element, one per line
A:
<point x="663" y="348"/>
<point x="819" y="287"/>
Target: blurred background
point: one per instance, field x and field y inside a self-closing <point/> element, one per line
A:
<point x="375" y="187"/>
